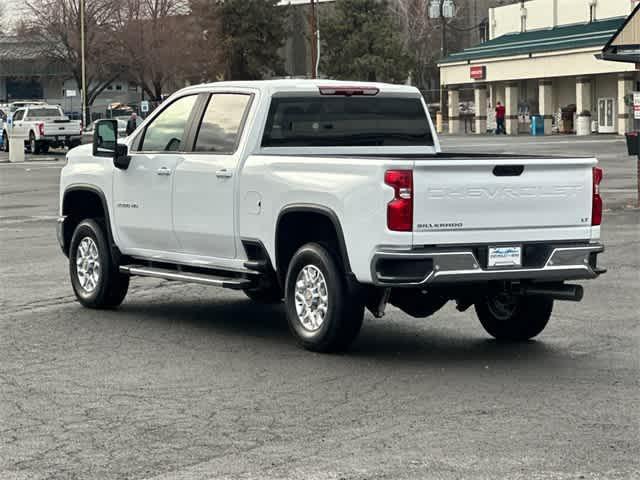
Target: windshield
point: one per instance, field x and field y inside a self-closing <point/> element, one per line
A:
<point x="44" y="112"/>
<point x="346" y="121"/>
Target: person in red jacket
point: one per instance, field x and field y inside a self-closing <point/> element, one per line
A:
<point x="500" y="114"/>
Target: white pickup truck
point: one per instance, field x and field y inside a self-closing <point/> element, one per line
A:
<point x="334" y="197"/>
<point x="42" y="127"/>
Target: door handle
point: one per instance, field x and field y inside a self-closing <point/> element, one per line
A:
<point x="224" y="173"/>
<point x="163" y="171"/>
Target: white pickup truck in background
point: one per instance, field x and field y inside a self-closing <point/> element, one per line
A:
<point x="42" y="127"/>
<point x="334" y="197"/>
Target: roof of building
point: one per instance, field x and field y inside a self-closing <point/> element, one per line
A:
<point x="13" y="48"/>
<point x="624" y="45"/>
<point x="563" y="37"/>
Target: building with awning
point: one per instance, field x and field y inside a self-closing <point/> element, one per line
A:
<point x="540" y="59"/>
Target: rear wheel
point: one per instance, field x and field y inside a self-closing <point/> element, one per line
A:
<point x="516" y="318"/>
<point x="34" y="146"/>
<point x="5" y="142"/>
<point x="323" y="316"/>
<point x="95" y="277"/>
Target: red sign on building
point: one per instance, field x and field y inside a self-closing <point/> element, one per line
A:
<point x="478" y="72"/>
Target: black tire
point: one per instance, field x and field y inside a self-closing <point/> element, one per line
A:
<point x="5" y="142"/>
<point x="34" y="146"/>
<point x="514" y="318"/>
<point x="111" y="286"/>
<point x="270" y="294"/>
<point x="345" y="310"/>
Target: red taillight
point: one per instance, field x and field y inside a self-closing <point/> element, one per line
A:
<point x="349" y="91"/>
<point x="400" y="209"/>
<point x="41" y="129"/>
<point x="596" y="206"/>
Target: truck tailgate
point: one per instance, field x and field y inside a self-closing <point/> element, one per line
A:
<point x="62" y="127"/>
<point x="504" y="199"/>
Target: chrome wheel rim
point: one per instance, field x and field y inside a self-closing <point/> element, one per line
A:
<point x="88" y="264"/>
<point x="32" y="145"/>
<point x="311" y="298"/>
<point x="502" y="306"/>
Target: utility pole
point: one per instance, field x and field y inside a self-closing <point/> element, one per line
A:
<point x="315" y="40"/>
<point x="83" y="87"/>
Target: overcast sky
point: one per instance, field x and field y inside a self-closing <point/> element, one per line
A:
<point x="13" y="9"/>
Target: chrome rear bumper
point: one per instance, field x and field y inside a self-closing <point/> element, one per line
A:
<point x="461" y="265"/>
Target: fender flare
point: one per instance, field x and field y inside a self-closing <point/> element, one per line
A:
<point x="105" y="207"/>
<point x="324" y="211"/>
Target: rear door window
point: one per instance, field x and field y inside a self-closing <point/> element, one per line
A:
<point x="329" y="121"/>
<point x="222" y="123"/>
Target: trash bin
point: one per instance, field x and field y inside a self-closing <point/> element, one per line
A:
<point x="583" y="124"/>
<point x="16" y="148"/>
<point x="633" y="142"/>
<point x="537" y="125"/>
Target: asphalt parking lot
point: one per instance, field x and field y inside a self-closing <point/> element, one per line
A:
<point x="190" y="382"/>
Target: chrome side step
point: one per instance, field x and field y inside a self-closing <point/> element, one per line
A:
<point x="212" y="280"/>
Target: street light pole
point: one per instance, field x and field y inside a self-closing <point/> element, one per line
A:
<point x="83" y="87"/>
<point x="443" y="24"/>
<point x="315" y="44"/>
<point x="443" y="49"/>
<point x="437" y="10"/>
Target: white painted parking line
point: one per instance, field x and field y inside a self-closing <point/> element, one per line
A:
<point x="8" y="220"/>
<point x="40" y="163"/>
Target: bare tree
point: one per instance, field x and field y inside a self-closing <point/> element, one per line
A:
<point x="56" y="23"/>
<point x="422" y="37"/>
<point x="160" y="43"/>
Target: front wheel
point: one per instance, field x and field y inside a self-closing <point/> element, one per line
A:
<point x="514" y="318"/>
<point x="323" y="316"/>
<point x="95" y="277"/>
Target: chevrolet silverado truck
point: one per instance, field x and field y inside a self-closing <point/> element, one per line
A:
<point x="332" y="197"/>
<point x="43" y="126"/>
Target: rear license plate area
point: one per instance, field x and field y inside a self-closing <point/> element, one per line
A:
<point x="509" y="256"/>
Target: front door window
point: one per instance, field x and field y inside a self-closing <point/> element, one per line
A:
<point x="166" y="132"/>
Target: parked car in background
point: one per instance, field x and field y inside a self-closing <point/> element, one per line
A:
<point x="43" y="127"/>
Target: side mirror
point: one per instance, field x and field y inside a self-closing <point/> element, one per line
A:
<point x="105" y="144"/>
<point x="105" y="135"/>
